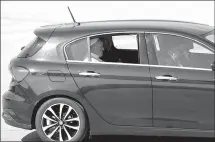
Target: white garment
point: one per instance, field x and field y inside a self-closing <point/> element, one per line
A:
<point x="94" y="58"/>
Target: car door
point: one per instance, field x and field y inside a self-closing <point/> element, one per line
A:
<point x="182" y="80"/>
<point x="121" y="93"/>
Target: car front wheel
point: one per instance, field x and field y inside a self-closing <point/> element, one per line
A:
<point x="61" y="119"/>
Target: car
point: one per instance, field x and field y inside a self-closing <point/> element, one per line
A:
<point x="120" y="77"/>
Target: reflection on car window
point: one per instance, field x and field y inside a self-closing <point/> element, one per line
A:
<point x="77" y="50"/>
<point x="157" y="46"/>
<point x="125" y="42"/>
<point x="178" y="51"/>
<point x="96" y="50"/>
<point x="211" y="38"/>
<point x="199" y="49"/>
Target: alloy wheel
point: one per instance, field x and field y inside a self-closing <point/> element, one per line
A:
<point x="60" y="122"/>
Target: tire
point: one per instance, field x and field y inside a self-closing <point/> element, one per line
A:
<point x="75" y="118"/>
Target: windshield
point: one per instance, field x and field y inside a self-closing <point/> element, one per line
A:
<point x="210" y="36"/>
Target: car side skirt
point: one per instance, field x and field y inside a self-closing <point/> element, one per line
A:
<point x="152" y="131"/>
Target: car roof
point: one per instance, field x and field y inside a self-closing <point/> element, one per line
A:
<point x="87" y="28"/>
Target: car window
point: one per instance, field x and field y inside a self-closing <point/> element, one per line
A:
<point x="114" y="48"/>
<point x="172" y="50"/>
<point x="125" y="42"/>
<point x="31" y="48"/>
<point x="77" y="50"/>
<point x="210" y="37"/>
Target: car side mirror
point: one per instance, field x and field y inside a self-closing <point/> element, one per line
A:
<point x="213" y="66"/>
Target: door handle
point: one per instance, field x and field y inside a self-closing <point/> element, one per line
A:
<point x="166" y="78"/>
<point x="93" y="74"/>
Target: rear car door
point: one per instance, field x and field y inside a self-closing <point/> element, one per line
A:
<point x="182" y="80"/>
<point x="120" y="92"/>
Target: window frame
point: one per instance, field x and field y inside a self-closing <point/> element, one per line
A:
<point x="141" y="49"/>
<point x="155" y="60"/>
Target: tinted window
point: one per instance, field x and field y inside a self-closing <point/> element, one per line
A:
<point x="114" y="48"/>
<point x="31" y="48"/>
<point x="77" y="50"/>
<point x="178" y="51"/>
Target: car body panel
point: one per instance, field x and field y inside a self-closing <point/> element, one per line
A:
<point x="122" y="94"/>
<point x="45" y="32"/>
<point x="186" y="103"/>
<point x="37" y="85"/>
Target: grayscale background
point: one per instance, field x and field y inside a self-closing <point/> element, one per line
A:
<point x="19" y="19"/>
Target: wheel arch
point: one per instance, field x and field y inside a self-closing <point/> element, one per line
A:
<point x="75" y="97"/>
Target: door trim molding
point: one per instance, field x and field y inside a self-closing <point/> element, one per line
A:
<point x="143" y="65"/>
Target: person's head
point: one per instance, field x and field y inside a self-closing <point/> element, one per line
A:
<point x="186" y="50"/>
<point x="108" y="43"/>
<point x="96" y="46"/>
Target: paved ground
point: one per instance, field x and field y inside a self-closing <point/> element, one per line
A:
<point x="9" y="133"/>
<point x="34" y="137"/>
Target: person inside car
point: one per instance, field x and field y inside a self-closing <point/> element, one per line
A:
<point x="110" y="54"/>
<point x="181" y="55"/>
<point x="96" y="49"/>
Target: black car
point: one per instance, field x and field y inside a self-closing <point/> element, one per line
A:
<point x="140" y="77"/>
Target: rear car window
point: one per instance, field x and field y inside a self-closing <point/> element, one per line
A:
<point x="31" y="48"/>
<point x="77" y="50"/>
